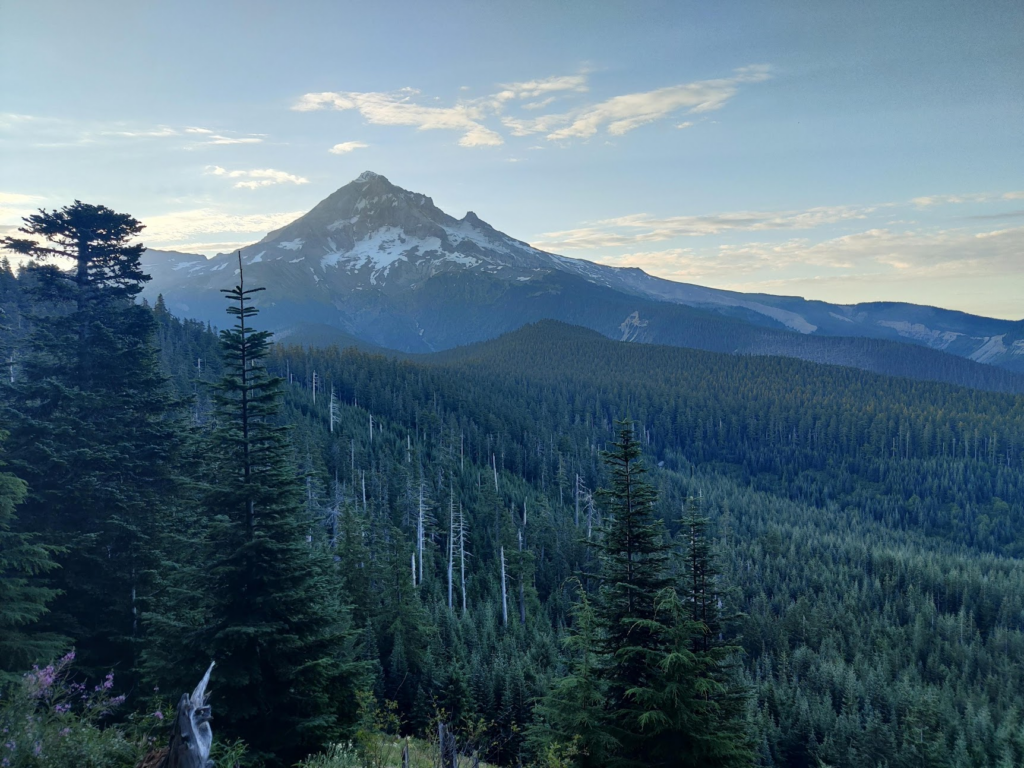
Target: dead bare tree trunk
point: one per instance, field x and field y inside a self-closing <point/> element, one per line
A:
<point x="447" y="748"/>
<point x="504" y="593"/>
<point x="462" y="555"/>
<point x="419" y="532"/>
<point x="451" y="546"/>
<point x="191" y="735"/>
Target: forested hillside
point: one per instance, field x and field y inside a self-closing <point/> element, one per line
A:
<point x="570" y="550"/>
<point x="870" y="524"/>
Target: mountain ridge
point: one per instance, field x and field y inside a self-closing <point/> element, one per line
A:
<point x="386" y="266"/>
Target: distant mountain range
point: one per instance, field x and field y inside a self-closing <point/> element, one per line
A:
<point x="377" y="265"/>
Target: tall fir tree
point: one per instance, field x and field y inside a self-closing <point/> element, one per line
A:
<point x="649" y="686"/>
<point x="277" y="628"/>
<point x="634" y="572"/>
<point x="95" y="430"/>
<point x="720" y="737"/>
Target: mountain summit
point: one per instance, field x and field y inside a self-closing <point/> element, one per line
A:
<point x="371" y="233"/>
<point x="386" y="266"/>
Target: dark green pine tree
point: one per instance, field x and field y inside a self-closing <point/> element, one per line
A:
<point x="95" y="430"/>
<point x="634" y="573"/>
<point x="720" y="735"/>
<point x="23" y="599"/>
<point x="277" y="628"/>
<point x="570" y="722"/>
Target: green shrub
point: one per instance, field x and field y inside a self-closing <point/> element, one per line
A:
<point x="48" y="720"/>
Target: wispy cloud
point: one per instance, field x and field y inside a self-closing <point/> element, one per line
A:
<point x="15" y="206"/>
<point x="643" y="228"/>
<point x="176" y="230"/>
<point x="401" y="109"/>
<point x="539" y="104"/>
<point x="17" y="198"/>
<point x="472" y="118"/>
<point x="43" y="131"/>
<point x="347" y="146"/>
<point x="622" y="114"/>
<point x="218" y="139"/>
<point x="976" y="197"/>
<point x="212" y="137"/>
<point x="894" y="254"/>
<point x="532" y="89"/>
<point x="159" y="132"/>
<point x="258" y="177"/>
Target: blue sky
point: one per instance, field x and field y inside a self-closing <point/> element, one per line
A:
<point x="840" y="151"/>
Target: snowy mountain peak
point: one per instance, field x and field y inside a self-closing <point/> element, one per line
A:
<point x="372" y="236"/>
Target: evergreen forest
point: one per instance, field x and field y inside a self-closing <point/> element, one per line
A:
<point x="559" y="549"/>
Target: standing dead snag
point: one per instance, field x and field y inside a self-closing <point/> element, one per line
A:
<point x="191" y="736"/>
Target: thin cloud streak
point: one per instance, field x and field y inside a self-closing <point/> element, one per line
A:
<point x="889" y="254"/>
<point x="616" y="116"/>
<point x="400" y="109"/>
<point x="183" y="226"/>
<point x="59" y="132"/>
<point x="17" y="198"/>
<point x="256" y="178"/>
<point x="622" y="114"/>
<point x="623" y="230"/>
<point x="347" y="146"/>
<point x="978" y="197"/>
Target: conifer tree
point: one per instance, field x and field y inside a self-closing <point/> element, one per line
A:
<point x="719" y="734"/>
<point x="571" y="721"/>
<point x="95" y="429"/>
<point x="634" y="560"/>
<point x="277" y="628"/>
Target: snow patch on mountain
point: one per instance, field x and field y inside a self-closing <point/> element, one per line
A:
<point x="789" y="319"/>
<point x="632" y="327"/>
<point x="381" y="249"/>
<point x="292" y="245"/>
<point x="921" y="332"/>
<point x="992" y="348"/>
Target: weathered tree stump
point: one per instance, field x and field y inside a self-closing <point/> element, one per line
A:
<point x="448" y="750"/>
<point x="191" y="735"/>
